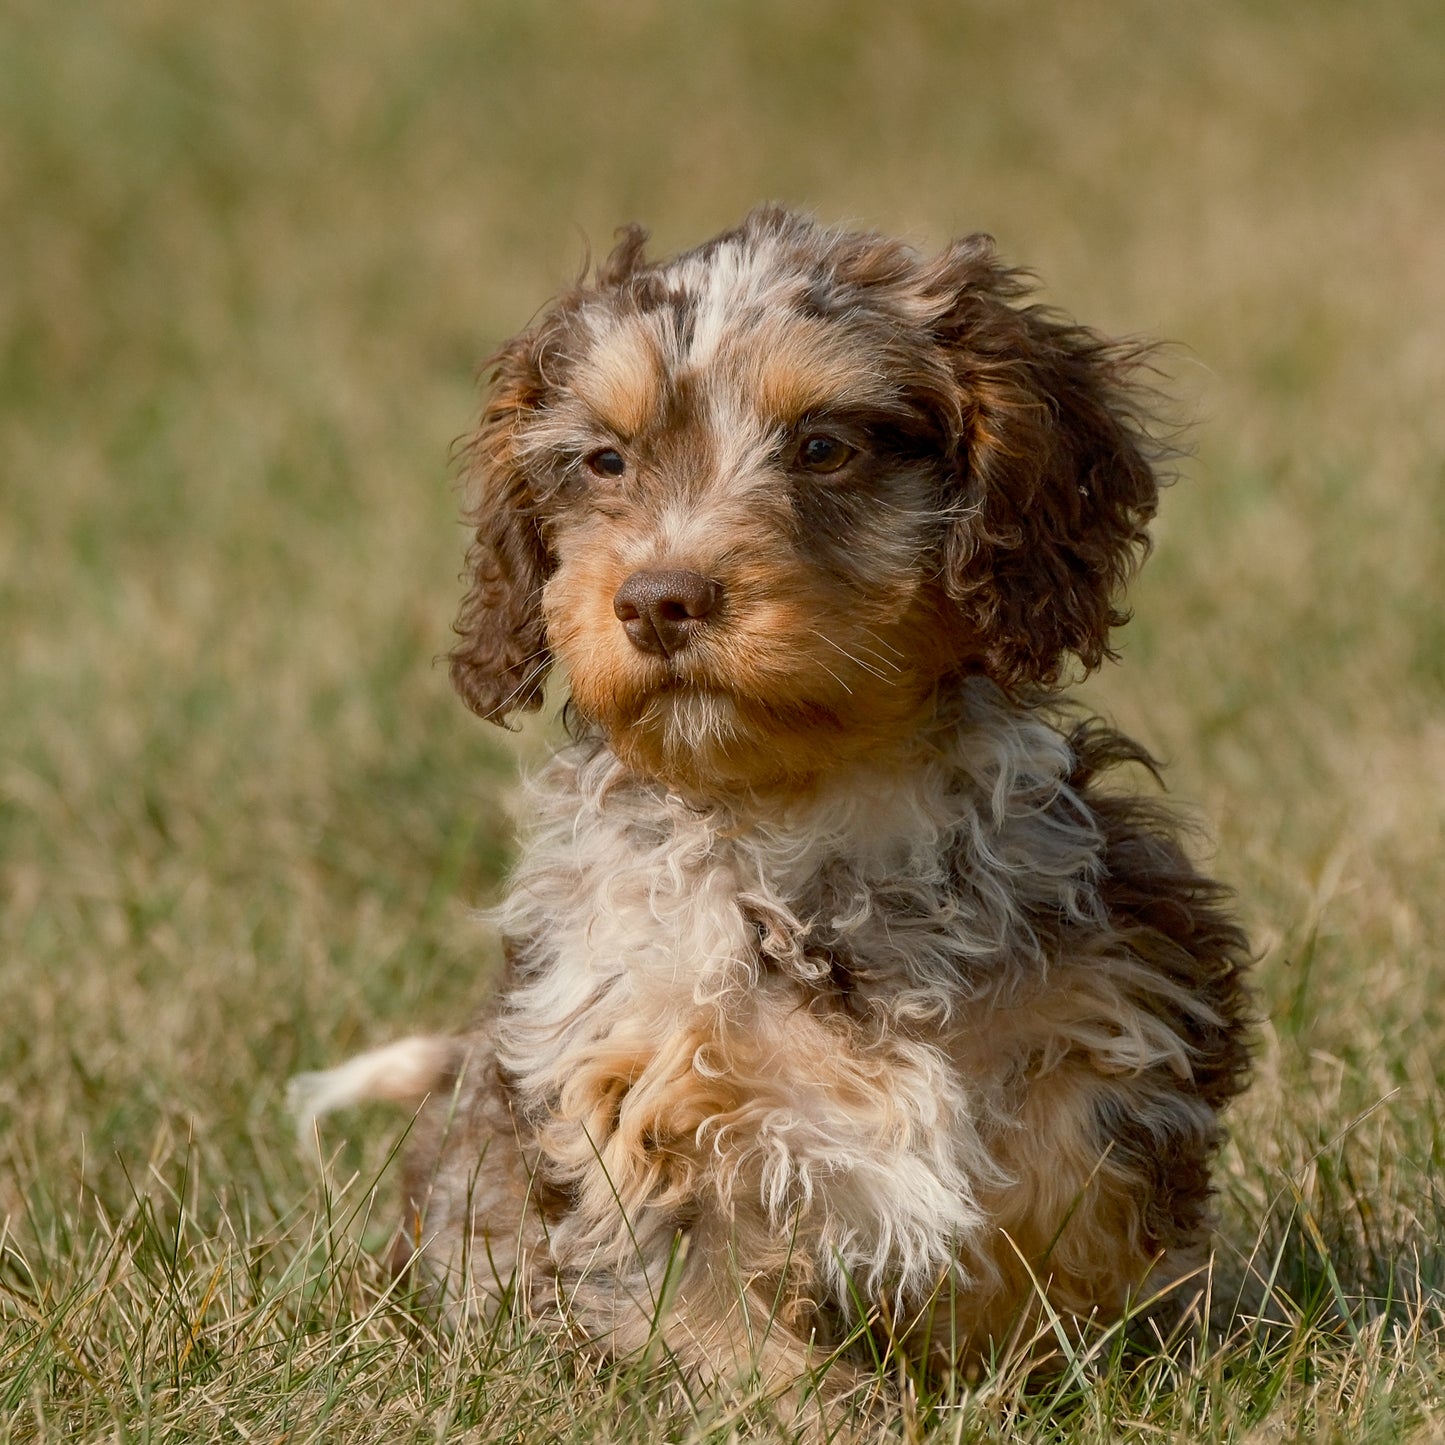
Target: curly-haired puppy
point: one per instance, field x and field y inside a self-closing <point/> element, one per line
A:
<point x="843" y="992"/>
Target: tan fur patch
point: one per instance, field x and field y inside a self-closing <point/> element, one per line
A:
<point x="797" y="366"/>
<point x="621" y="379"/>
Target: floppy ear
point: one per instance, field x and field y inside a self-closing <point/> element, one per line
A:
<point x="501" y="660"/>
<point x="1054" y="486"/>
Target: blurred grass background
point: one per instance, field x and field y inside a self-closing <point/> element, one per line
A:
<point x="249" y="256"/>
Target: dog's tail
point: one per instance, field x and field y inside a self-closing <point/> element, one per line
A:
<point x="405" y="1072"/>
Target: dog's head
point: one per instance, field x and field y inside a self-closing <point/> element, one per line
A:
<point x="763" y="500"/>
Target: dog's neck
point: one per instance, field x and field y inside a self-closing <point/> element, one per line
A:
<point x="986" y="768"/>
<point x="966" y="726"/>
<point x="907" y="879"/>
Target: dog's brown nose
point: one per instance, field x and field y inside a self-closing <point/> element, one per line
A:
<point x="660" y="611"/>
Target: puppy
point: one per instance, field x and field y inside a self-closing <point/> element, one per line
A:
<point x="843" y="994"/>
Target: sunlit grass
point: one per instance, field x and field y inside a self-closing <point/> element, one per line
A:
<point x="248" y="258"/>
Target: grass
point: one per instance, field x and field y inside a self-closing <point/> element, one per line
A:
<point x="248" y="257"/>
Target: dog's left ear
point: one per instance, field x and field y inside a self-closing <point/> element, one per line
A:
<point x="501" y="658"/>
<point x="1054" y="486"/>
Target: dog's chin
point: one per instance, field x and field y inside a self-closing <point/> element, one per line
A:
<point x="711" y="742"/>
<point x="697" y="737"/>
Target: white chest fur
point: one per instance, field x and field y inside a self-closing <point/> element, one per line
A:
<point x="666" y="961"/>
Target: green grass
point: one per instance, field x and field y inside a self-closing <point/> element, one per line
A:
<point x="248" y="258"/>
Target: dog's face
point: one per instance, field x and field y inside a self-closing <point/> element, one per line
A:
<point x="763" y="500"/>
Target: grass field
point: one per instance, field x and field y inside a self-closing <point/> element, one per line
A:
<point x="249" y="256"/>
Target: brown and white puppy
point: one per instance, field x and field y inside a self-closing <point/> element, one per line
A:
<point x="840" y="995"/>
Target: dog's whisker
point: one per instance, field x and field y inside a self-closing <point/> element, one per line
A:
<point x="541" y="652"/>
<point x="882" y="642"/>
<point x="523" y="686"/>
<point x="893" y="664"/>
<point x="835" y="677"/>
<point x="856" y="661"/>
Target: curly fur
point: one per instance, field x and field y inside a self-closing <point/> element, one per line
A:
<point x="841" y="992"/>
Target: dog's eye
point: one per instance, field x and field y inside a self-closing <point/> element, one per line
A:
<point x="823" y="453"/>
<point x="607" y="462"/>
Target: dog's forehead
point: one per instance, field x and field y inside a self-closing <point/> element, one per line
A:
<point x="738" y="325"/>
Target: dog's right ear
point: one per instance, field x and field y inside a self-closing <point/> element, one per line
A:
<point x="501" y="660"/>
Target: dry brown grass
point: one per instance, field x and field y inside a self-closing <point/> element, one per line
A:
<point x="248" y="256"/>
